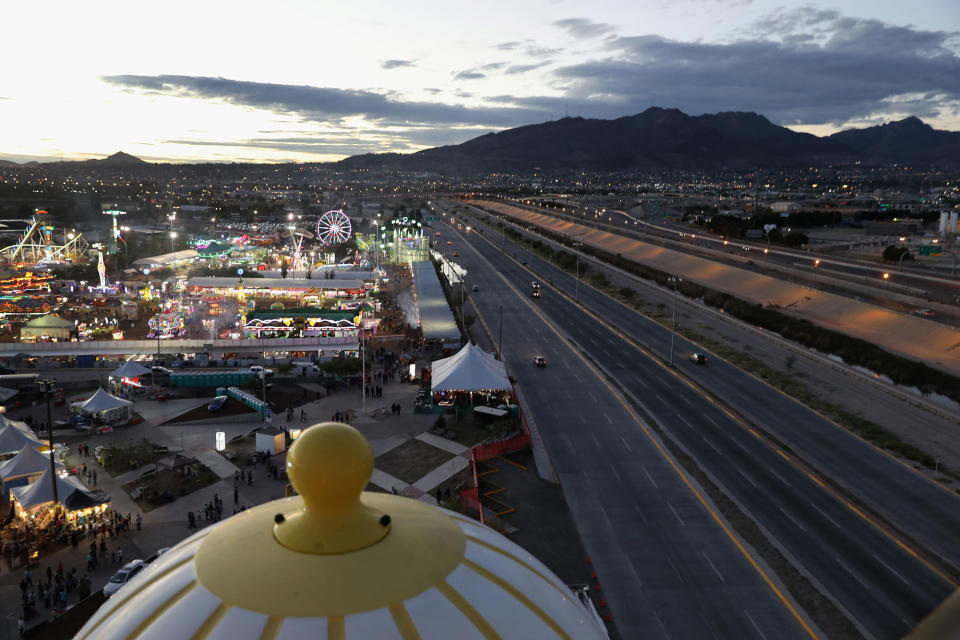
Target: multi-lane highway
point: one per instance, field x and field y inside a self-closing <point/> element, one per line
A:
<point x="666" y="562"/>
<point x="881" y="586"/>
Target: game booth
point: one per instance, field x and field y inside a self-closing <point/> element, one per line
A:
<point x="102" y="409"/>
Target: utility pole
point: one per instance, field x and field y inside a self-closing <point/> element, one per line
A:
<point x="673" y="323"/>
<point x="363" y="371"/>
<point x="46" y="385"/>
<point x="576" y="250"/>
<point x="500" y="334"/>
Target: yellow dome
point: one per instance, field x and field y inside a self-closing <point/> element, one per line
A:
<point x="338" y="562"/>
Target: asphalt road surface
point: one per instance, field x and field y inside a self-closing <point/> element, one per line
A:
<point x="881" y="586"/>
<point x="667" y="567"/>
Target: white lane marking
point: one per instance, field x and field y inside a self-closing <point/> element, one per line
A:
<point x="684" y="398"/>
<point x="792" y="519"/>
<point x="677" y="515"/>
<point x="753" y="622"/>
<point x="597" y="442"/>
<point x="640" y="513"/>
<point x="832" y="521"/>
<point x="710" y="444"/>
<point x="779" y="477"/>
<point x="605" y="516"/>
<point x="582" y="419"/>
<point x="640" y="381"/>
<point x="625" y="444"/>
<point x="607" y="417"/>
<point x="649" y="476"/>
<point x="712" y="566"/>
<point x="614" y="469"/>
<point x="662" y="401"/>
<point x="738" y="443"/>
<point x="850" y="571"/>
<point x="711" y="421"/>
<point x="579" y="379"/>
<point x="592" y="397"/>
<point x="891" y="570"/>
<point x="746" y="477"/>
<point x="565" y="363"/>
<point x="666" y="634"/>
<point x="675" y="570"/>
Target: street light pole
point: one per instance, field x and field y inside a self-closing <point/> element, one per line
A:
<point x="45" y="385"/>
<point x="903" y="255"/>
<point x="500" y="334"/>
<point x="673" y="322"/>
<point x="576" y="250"/>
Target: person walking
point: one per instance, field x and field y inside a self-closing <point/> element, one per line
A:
<point x="120" y="557"/>
<point x="139" y="521"/>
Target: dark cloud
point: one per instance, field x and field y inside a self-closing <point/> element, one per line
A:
<point x="394" y="64"/>
<point x="469" y="74"/>
<point x="493" y="66"/>
<point x="508" y="46"/>
<point x="322" y="104"/>
<point x="821" y="68"/>
<point x="584" y="27"/>
<point x="523" y="68"/>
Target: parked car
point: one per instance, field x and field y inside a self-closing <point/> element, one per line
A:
<point x="123" y="576"/>
<point x="540" y="361"/>
<point x="257" y="369"/>
<point x="217" y="404"/>
<point x="698" y="358"/>
<point x="456" y="254"/>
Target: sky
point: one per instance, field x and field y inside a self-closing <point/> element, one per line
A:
<point x="319" y="80"/>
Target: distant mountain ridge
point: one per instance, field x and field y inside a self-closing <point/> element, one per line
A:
<point x="653" y="139"/>
<point x="669" y="138"/>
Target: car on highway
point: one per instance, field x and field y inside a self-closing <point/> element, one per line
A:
<point x="540" y="361"/>
<point x="923" y="313"/>
<point x="475" y="287"/>
<point x="698" y="358"/>
<point x="449" y="241"/>
<point x="456" y="254"/>
<point x="123" y="576"/>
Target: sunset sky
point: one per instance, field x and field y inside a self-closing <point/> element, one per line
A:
<point x="300" y="80"/>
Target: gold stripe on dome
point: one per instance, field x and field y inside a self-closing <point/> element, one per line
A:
<point x="519" y="596"/>
<point x="405" y="625"/>
<point x="272" y="629"/>
<point x="211" y="623"/>
<point x="335" y="628"/>
<point x="421" y="549"/>
<point x="522" y="563"/>
<point x="159" y="611"/>
<point x="468" y="611"/>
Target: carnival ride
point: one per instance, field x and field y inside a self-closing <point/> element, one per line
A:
<point x="37" y="245"/>
<point x="334" y="228"/>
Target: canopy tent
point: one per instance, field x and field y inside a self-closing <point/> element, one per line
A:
<point x="470" y="369"/>
<point x="130" y="369"/>
<point x="40" y="493"/>
<point x="48" y="326"/>
<point x="26" y="463"/>
<point x="24" y="468"/>
<point x="104" y="408"/>
<point x="14" y="436"/>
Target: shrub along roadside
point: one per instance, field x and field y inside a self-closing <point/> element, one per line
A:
<point x="853" y="351"/>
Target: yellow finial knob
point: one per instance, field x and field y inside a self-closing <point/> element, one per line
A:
<point x="329" y="465"/>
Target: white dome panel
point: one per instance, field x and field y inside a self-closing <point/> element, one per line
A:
<point x="300" y="628"/>
<point x="184" y="617"/>
<point x="238" y="623"/>
<point x="436" y="617"/>
<point x="378" y="623"/>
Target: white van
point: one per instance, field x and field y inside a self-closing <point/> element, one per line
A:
<point x="303" y="369"/>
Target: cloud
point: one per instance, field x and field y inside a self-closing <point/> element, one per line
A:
<point x="818" y="67"/>
<point x="584" y="27"/>
<point x="508" y="46"/>
<point x="493" y="66"/>
<point x="469" y="74"/>
<point x="395" y="64"/>
<point x="523" y="68"/>
<point x="323" y="104"/>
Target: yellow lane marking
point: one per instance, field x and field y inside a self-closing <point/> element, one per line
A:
<point x="664" y="454"/>
<point x="737" y="420"/>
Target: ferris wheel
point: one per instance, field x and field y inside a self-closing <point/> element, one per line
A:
<point x="334" y="228"/>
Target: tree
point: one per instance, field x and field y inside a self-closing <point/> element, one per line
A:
<point x="894" y="252"/>
<point x="795" y="239"/>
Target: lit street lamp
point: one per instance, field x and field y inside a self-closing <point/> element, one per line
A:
<point x="886" y="276"/>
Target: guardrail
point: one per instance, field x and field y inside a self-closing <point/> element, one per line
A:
<point x="101" y="347"/>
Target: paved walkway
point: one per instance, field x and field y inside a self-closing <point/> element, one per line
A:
<point x="167" y="525"/>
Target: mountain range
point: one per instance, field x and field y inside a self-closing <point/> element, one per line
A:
<point x="653" y="139"/>
<point x="668" y="138"/>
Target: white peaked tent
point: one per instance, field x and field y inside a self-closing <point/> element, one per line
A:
<point x="105" y="407"/>
<point x="14" y="436"/>
<point x="130" y="369"/>
<point x="26" y="463"/>
<point x="40" y="493"/>
<point x="470" y="369"/>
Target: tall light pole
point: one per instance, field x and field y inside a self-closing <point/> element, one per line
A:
<point x="673" y="322"/>
<point x="45" y="385"/>
<point x="576" y="249"/>
<point x="903" y="255"/>
<point x="363" y="370"/>
<point x="500" y="333"/>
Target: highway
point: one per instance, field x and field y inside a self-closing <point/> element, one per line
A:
<point x="925" y="510"/>
<point x="667" y="567"/>
<point x="884" y="588"/>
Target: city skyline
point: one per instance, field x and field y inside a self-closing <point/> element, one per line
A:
<point x="198" y="83"/>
